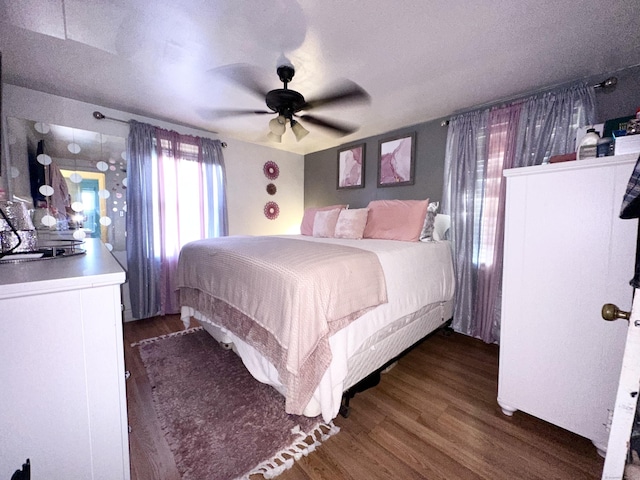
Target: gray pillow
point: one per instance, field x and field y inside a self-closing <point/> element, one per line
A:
<point x="429" y="222"/>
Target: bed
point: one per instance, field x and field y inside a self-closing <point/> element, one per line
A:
<point x="351" y="306"/>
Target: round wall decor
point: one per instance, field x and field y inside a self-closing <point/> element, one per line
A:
<point x="271" y="210"/>
<point x="271" y="189"/>
<point x="271" y="170"/>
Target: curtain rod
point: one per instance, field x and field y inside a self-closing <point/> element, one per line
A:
<point x="101" y="116"/>
<point x="605" y="84"/>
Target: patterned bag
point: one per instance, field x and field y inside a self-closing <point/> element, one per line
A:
<point x="631" y="201"/>
<point x="631" y="209"/>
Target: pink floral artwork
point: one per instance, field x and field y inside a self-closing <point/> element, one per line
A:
<point x="351" y="167"/>
<point x="396" y="161"/>
<point x="271" y="170"/>
<point x="271" y="210"/>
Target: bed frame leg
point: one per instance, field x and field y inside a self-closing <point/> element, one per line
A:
<point x="367" y="382"/>
<point x="344" y="407"/>
<point x="446" y="328"/>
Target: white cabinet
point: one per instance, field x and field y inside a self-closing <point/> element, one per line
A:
<point x="62" y="386"/>
<point x="566" y="254"/>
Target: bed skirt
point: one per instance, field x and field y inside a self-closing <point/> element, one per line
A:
<point x="373" y="353"/>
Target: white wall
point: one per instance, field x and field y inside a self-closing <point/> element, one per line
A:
<point x="246" y="184"/>
<point x="247" y="189"/>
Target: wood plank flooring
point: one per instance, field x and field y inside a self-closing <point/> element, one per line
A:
<point x="433" y="416"/>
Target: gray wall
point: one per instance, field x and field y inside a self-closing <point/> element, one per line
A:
<point x="321" y="168"/>
<point x="321" y="171"/>
<point x="621" y="101"/>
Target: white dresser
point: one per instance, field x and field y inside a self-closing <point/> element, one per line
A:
<point x="62" y="386"/>
<point x="566" y="254"/>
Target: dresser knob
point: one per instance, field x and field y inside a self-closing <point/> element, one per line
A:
<point x="611" y="312"/>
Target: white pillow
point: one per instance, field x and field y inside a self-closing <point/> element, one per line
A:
<point x="441" y="225"/>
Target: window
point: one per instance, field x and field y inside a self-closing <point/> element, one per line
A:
<point x="180" y="189"/>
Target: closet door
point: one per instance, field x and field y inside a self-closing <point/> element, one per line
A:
<point x="627" y="397"/>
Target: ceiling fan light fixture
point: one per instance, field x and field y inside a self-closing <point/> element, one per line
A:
<point x="285" y="103"/>
<point x="276" y="126"/>
<point x="298" y="130"/>
<point x="273" y="137"/>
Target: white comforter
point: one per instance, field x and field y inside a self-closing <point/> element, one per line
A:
<point x="417" y="274"/>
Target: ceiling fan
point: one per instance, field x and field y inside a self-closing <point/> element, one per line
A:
<point x="287" y="103"/>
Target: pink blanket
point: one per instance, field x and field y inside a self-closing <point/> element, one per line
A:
<point x="284" y="297"/>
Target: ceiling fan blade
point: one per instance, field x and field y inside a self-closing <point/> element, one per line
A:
<point x="245" y="75"/>
<point x="349" y="92"/>
<point x="222" y="113"/>
<point x="339" y="128"/>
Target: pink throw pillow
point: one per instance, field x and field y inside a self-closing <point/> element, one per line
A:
<point x="396" y="219"/>
<point x="324" y="224"/>
<point x="306" y="227"/>
<point x="351" y="223"/>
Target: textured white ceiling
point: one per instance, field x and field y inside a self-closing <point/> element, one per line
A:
<point x="419" y="60"/>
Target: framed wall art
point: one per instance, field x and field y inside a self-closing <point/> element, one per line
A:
<point x="351" y="167"/>
<point x="396" y="160"/>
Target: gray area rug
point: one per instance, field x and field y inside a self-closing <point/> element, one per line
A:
<point x="219" y="421"/>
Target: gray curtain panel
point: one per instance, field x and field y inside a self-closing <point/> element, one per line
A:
<point x="548" y="123"/>
<point x="531" y="130"/>
<point x="216" y="178"/>
<point x="465" y="157"/>
<point x="143" y="256"/>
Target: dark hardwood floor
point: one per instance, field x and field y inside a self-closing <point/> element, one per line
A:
<point x="433" y="416"/>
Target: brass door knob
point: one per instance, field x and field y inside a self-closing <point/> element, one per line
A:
<point x="611" y="312"/>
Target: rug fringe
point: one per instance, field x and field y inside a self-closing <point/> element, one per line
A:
<point x="285" y="458"/>
<point x="168" y="335"/>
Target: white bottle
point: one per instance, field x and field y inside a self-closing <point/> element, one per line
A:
<point x="588" y="147"/>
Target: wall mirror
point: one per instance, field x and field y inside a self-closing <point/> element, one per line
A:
<point x="73" y="181"/>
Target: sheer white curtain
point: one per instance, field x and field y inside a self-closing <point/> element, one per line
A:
<point x="175" y="195"/>
<point x="480" y="145"/>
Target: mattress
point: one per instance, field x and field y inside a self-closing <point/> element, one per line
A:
<point x="420" y="289"/>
